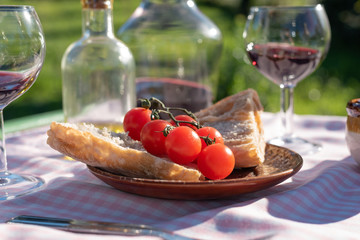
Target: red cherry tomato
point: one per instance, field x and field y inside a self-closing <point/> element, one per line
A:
<point x="210" y="132"/>
<point x="134" y="121"/>
<point x="183" y="145"/>
<point x="186" y="118"/>
<point x="152" y="137"/>
<point x="216" y="161"/>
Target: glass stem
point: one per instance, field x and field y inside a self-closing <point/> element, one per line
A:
<point x="3" y="161"/>
<point x="287" y="109"/>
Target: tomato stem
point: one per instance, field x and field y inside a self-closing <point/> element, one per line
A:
<point x="208" y="140"/>
<point x="158" y="107"/>
<point x="167" y="130"/>
<point x="145" y="103"/>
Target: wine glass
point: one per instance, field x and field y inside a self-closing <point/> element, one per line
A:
<point x="22" y="51"/>
<point x="286" y="44"/>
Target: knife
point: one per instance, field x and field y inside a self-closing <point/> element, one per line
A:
<point x="96" y="227"/>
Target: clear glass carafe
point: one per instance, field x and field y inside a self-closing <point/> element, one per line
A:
<point x="98" y="71"/>
<point x="176" y="50"/>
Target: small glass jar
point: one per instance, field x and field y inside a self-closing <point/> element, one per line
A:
<point x="176" y="50"/>
<point x="353" y="128"/>
<point x="98" y="71"/>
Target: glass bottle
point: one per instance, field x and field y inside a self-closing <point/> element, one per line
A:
<point x="176" y="50"/>
<point x="98" y="71"/>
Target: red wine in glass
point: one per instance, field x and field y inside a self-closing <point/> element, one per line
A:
<point x="22" y="51"/>
<point x="286" y="44"/>
<point x="283" y="63"/>
<point x="14" y="84"/>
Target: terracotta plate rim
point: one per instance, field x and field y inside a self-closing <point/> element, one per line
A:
<point x="288" y="173"/>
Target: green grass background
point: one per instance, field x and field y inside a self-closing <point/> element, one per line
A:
<point x="325" y="92"/>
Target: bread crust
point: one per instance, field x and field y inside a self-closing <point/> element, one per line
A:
<point x="103" y="151"/>
<point x="238" y="119"/>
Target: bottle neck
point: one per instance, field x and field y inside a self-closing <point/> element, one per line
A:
<point x="97" y="22"/>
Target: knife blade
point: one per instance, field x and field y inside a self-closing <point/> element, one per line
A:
<point x="96" y="227"/>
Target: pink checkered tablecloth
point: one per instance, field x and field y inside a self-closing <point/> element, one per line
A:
<point x="322" y="201"/>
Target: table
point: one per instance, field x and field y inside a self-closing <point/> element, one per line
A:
<point x="322" y="201"/>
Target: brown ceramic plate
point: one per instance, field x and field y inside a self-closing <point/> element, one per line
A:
<point x="280" y="164"/>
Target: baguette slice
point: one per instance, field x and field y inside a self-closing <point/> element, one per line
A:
<point x="238" y="119"/>
<point x="117" y="154"/>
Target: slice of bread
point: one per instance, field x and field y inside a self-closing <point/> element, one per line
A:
<point x="238" y="119"/>
<point x="117" y="154"/>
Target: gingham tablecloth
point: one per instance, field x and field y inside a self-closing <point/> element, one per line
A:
<point x="322" y="201"/>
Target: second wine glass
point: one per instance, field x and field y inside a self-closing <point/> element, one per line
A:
<point x="286" y="44"/>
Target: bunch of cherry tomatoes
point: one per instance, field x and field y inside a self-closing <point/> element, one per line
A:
<point x="181" y="139"/>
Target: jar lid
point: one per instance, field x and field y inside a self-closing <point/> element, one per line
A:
<point x="353" y="107"/>
<point x="97" y="4"/>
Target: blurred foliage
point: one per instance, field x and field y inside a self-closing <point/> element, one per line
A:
<point x="326" y="91"/>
